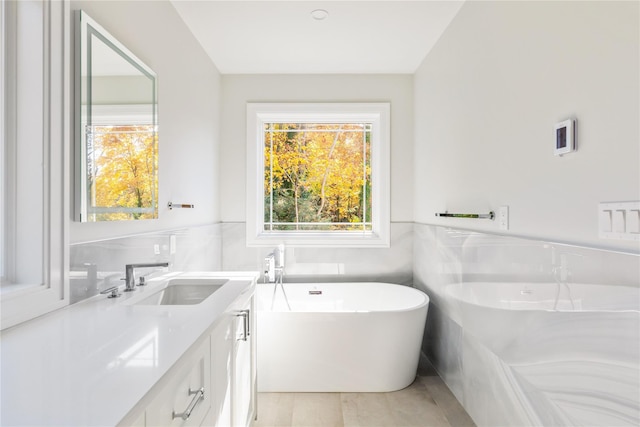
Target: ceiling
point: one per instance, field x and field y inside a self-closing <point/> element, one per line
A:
<point x="276" y="37"/>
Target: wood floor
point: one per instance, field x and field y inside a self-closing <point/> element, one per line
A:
<point x="425" y="403"/>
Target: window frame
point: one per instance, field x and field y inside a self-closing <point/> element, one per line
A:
<point x="118" y="115"/>
<point x="378" y="114"/>
<point x="24" y="299"/>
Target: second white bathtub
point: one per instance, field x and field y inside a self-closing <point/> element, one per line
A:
<point x="339" y="337"/>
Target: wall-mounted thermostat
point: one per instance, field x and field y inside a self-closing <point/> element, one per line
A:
<point x="565" y="141"/>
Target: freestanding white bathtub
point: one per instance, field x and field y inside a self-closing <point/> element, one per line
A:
<point x="339" y="337"/>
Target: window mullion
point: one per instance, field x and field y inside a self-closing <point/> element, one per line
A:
<point x="270" y="178"/>
<point x="364" y="178"/>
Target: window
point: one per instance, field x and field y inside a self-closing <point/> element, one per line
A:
<point x="121" y="142"/>
<point x="318" y="174"/>
<point x="34" y="152"/>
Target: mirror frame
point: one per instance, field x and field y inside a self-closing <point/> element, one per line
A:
<point x="85" y="28"/>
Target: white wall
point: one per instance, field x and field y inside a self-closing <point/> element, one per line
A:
<point x="237" y="90"/>
<point x="487" y="98"/>
<point x="189" y="114"/>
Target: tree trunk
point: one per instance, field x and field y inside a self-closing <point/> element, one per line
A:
<point x="326" y="174"/>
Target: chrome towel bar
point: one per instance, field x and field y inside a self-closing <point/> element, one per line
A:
<point x="491" y="215"/>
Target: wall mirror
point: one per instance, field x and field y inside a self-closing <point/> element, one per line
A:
<point x="116" y="129"/>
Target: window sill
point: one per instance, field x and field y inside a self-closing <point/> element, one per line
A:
<point x="319" y="240"/>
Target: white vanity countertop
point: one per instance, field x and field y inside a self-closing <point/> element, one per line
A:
<point x="90" y="363"/>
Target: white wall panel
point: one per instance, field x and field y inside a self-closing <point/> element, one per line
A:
<point x="487" y="98"/>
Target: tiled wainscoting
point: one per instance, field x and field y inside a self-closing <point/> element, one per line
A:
<point x="99" y="265"/>
<point x="391" y="265"/>
<point x="532" y="333"/>
<point x="426" y="402"/>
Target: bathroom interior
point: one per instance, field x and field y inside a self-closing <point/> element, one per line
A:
<point x="533" y="292"/>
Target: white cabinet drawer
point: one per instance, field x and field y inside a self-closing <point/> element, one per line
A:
<point x="185" y="398"/>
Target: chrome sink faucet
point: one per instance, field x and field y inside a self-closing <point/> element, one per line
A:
<point x="129" y="279"/>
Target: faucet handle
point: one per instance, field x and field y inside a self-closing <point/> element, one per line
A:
<point x="269" y="268"/>
<point x="113" y="290"/>
<point x="143" y="281"/>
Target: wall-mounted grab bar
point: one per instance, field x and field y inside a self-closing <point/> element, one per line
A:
<point x="491" y="215"/>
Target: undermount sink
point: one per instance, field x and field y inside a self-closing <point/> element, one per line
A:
<point x="184" y="292"/>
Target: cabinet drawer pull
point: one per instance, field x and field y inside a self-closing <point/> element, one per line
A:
<point x="199" y="395"/>
<point x="245" y="324"/>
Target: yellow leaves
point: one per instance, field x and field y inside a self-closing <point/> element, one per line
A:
<point x="123" y="165"/>
<point x="323" y="169"/>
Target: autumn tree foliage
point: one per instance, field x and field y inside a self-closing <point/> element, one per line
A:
<point x="317" y="176"/>
<point x="123" y="164"/>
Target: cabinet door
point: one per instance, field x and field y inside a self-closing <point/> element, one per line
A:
<point x="233" y="365"/>
<point x="186" y="397"/>
<point x="222" y="342"/>
<point x="243" y="366"/>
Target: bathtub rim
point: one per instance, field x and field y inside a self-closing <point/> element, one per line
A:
<point x="425" y="302"/>
<point x="456" y="292"/>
